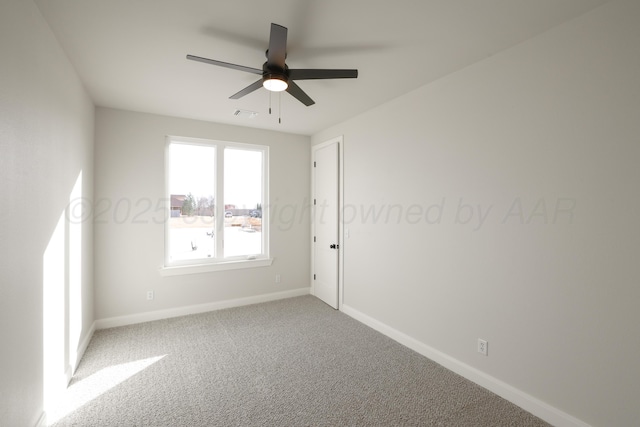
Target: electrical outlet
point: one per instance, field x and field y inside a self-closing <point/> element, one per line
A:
<point x="149" y="295"/>
<point x="483" y="347"/>
<point x="277" y="278"/>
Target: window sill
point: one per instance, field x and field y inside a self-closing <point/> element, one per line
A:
<point x="219" y="266"/>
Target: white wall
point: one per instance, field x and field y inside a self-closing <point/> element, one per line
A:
<point x="129" y="248"/>
<point x="46" y="159"/>
<point x="551" y="122"/>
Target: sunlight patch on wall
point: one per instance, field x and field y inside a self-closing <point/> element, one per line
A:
<point x="75" y="215"/>
<point x="53" y="314"/>
<point x="62" y="297"/>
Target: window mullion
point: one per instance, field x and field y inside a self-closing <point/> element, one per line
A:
<point x="219" y="197"/>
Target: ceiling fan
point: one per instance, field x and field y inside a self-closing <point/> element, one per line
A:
<point x="276" y="75"/>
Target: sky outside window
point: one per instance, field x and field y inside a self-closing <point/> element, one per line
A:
<point x="193" y="170"/>
<point x="242" y="178"/>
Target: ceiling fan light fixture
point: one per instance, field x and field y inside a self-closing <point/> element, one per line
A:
<point x="275" y="82"/>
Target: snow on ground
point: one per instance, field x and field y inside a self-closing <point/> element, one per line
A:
<point x="194" y="238"/>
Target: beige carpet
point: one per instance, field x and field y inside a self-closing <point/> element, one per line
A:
<point x="294" y="362"/>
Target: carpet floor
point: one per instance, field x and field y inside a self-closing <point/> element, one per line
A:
<point x="293" y="362"/>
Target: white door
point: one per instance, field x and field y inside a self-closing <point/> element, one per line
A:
<point x="325" y="223"/>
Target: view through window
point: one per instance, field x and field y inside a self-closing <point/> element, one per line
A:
<point x="200" y="229"/>
<point x="242" y="202"/>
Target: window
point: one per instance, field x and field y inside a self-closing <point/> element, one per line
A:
<point x="217" y="192"/>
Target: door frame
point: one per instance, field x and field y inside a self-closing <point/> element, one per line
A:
<point x="340" y="141"/>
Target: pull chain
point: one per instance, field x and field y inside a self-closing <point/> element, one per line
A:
<point x="279" y="106"/>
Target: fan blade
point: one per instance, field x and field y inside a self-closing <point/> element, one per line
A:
<point x="277" y="46"/>
<point x="302" y="74"/>
<point x="225" y="64"/>
<point x="247" y="90"/>
<point x="299" y="94"/>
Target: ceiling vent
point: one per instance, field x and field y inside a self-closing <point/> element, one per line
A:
<point x="245" y="114"/>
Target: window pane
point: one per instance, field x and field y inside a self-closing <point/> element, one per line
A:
<point x="192" y="188"/>
<point x="242" y="202"/>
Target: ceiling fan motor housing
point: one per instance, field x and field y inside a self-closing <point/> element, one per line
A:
<point x="271" y="73"/>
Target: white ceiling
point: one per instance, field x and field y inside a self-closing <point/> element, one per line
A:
<point x="130" y="54"/>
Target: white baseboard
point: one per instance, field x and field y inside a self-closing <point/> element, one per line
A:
<point x="82" y="347"/>
<point x="42" y="421"/>
<point x="74" y="360"/>
<point x="527" y="402"/>
<point x="112" y="322"/>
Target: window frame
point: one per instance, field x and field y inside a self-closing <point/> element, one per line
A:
<point x="219" y="262"/>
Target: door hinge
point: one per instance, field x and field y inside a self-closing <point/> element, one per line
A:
<point x="314" y="164"/>
<point x="314" y="277"/>
<point x="314" y="239"/>
<point x="314" y="202"/>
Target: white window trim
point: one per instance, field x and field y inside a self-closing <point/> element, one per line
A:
<point x="219" y="264"/>
<point x="215" y="266"/>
